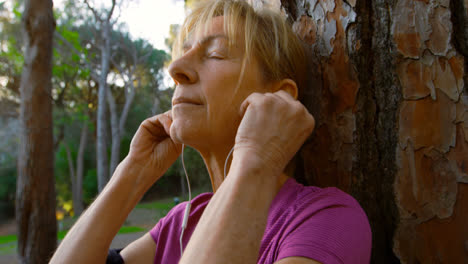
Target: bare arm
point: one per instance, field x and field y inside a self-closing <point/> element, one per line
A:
<point x="151" y="153"/>
<point x="139" y="251"/>
<point x="232" y="226"/>
<point x="90" y="238"/>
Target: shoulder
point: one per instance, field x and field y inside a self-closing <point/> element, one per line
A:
<point x="307" y="201"/>
<point x="329" y="225"/>
<point x="173" y="219"/>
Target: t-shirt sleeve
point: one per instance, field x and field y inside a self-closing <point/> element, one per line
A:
<point x="154" y="232"/>
<point x="172" y="216"/>
<point x="337" y="233"/>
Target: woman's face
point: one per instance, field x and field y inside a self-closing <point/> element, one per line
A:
<point x="205" y="105"/>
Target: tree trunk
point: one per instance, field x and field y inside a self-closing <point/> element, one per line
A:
<point x="35" y="193"/>
<point x="71" y="169"/>
<point x="102" y="163"/>
<point x="78" y="190"/>
<point x="118" y="124"/>
<point x="389" y="95"/>
<point x="115" y="131"/>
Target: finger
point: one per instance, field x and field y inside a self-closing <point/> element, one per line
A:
<point x="284" y="95"/>
<point x="251" y="98"/>
<point x="166" y="121"/>
<point x="169" y="114"/>
<point x="156" y="124"/>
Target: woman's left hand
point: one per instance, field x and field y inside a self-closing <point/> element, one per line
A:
<point x="273" y="128"/>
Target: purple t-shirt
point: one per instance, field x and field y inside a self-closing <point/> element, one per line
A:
<point x="324" y="224"/>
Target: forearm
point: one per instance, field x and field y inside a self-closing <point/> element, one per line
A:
<point x="233" y="224"/>
<point x="89" y="239"/>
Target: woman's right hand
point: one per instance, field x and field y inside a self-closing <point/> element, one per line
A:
<point x="152" y="151"/>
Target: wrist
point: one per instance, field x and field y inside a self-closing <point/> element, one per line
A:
<point x="133" y="174"/>
<point x="253" y="167"/>
<point x="253" y="161"/>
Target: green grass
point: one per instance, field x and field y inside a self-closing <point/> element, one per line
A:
<point x="7" y="239"/>
<point x="130" y="229"/>
<point x="158" y="205"/>
<point x="7" y="249"/>
<point x="61" y="234"/>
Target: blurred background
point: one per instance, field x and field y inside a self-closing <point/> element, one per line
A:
<point x="140" y="39"/>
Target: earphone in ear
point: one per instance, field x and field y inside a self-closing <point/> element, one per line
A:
<point x="189" y="203"/>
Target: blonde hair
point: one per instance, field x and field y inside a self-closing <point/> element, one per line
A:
<point x="267" y="36"/>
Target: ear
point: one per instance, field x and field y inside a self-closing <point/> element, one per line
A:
<point x="288" y="86"/>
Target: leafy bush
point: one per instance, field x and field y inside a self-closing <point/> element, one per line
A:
<point x="7" y="188"/>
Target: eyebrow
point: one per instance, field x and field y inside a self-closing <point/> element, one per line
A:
<point x="205" y="40"/>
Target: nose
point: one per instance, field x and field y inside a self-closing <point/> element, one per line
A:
<point x="182" y="71"/>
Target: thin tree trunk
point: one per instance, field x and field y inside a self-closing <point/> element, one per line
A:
<point x="118" y="124"/>
<point x="78" y="203"/>
<point x="102" y="165"/>
<point x="71" y="169"/>
<point x="115" y="130"/>
<point x="129" y="96"/>
<point x="35" y="191"/>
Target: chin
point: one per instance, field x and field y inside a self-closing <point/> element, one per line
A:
<point x="184" y="132"/>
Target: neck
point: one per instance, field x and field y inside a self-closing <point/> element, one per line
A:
<point x="214" y="162"/>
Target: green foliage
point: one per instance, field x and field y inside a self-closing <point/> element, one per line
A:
<point x="11" y="58"/>
<point x="173" y="32"/>
<point x="90" y="188"/>
<point x="7" y="185"/>
<point x="7" y="180"/>
<point x="62" y="175"/>
<point x="76" y="62"/>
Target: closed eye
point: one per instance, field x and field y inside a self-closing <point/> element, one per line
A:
<point x="215" y="55"/>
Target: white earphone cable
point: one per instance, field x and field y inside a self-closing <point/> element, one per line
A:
<point x="189" y="203"/>
<point x="226" y="162"/>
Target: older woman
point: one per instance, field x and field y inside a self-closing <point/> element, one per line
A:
<point x="238" y="73"/>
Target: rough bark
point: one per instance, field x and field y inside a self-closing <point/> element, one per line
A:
<point x="431" y="181"/>
<point x="35" y="193"/>
<point x="389" y="95"/>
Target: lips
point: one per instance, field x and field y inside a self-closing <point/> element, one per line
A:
<point x="183" y="100"/>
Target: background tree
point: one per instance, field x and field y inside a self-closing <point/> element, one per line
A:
<point x="11" y="63"/>
<point x="135" y="63"/>
<point x="35" y="194"/>
<point x="105" y="22"/>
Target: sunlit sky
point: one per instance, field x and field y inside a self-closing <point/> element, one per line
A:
<point x="148" y="19"/>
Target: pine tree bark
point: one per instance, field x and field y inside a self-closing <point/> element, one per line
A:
<point x="35" y="193"/>
<point x="389" y="92"/>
